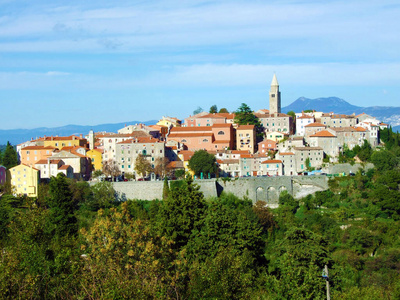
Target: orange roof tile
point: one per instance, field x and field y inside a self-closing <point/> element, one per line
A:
<point x="272" y="161"/>
<point x="38" y="148"/>
<point x="64" y="167"/>
<point x="286" y="153"/>
<point x="315" y="124"/>
<point x="189" y="135"/>
<point x="323" y="133"/>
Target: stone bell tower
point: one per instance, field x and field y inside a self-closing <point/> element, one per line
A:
<point x="274" y="97"/>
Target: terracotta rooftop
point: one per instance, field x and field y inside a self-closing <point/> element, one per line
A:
<point x="286" y="153"/>
<point x="189" y="135"/>
<point x="64" y="167"/>
<point x="315" y="124"/>
<point x="272" y="161"/>
<point x="39" y="148"/>
<point x="323" y="133"/>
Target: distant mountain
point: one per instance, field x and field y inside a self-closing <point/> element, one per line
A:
<point x="17" y="136"/>
<point x="386" y="114"/>
<point x="334" y="104"/>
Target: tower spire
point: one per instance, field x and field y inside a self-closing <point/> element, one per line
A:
<point x="274" y="81"/>
<point x="274" y="97"/>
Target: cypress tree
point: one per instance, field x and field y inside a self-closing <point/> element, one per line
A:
<point x="10" y="158"/>
<point x="62" y="205"/>
<point x="165" y="188"/>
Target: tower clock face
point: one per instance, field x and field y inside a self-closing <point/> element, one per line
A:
<point x="272" y="95"/>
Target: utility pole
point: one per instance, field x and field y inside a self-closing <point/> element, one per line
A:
<point x="325" y="274"/>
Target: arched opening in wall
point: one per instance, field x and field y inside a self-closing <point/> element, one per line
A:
<point x="271" y="195"/>
<point x="260" y="194"/>
<point x="281" y="189"/>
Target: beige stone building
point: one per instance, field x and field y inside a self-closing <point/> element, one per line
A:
<point x="126" y="152"/>
<point x="314" y="154"/>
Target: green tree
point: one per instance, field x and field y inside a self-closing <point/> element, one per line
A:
<point x="182" y="212"/>
<point x="213" y="109"/>
<point x="142" y="165"/>
<point x="103" y="196"/>
<point x="197" y="110"/>
<point x="62" y="204"/>
<point x="245" y="116"/>
<point x="365" y="151"/>
<point x="127" y="260"/>
<point x="227" y="227"/>
<point x="203" y="162"/>
<point x="10" y="157"/>
<point x="293" y="115"/>
<point x="179" y="173"/>
<point x="223" y="110"/>
<point x="384" y="160"/>
<point x="298" y="263"/>
<point x="165" y="188"/>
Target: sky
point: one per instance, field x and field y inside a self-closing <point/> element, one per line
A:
<point x="96" y="62"/>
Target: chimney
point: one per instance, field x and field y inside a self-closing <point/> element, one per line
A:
<point x="80" y="135"/>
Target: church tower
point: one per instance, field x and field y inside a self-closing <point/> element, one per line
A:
<point x="274" y="97"/>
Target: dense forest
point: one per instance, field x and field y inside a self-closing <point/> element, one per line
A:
<point x="77" y="241"/>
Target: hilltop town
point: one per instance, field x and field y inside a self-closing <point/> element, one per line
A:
<point x="279" y="144"/>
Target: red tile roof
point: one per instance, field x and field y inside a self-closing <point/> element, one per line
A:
<point x="272" y="161"/>
<point x="315" y="124"/>
<point x="323" y="133"/>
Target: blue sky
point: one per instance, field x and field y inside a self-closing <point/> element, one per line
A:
<point x="94" y="62"/>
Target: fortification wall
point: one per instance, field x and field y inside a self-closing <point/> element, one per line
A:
<point x="255" y="188"/>
<point x="346" y="168"/>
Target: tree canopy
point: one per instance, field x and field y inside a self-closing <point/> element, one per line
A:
<point x="203" y="162"/>
<point x="10" y="157"/>
<point x="213" y="109"/>
<point x="245" y="116"/>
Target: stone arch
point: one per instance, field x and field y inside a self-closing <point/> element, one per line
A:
<point x="281" y="189"/>
<point x="271" y="195"/>
<point x="260" y="194"/>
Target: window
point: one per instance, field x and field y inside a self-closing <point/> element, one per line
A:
<point x="183" y="141"/>
<point x="221" y="132"/>
<point x="205" y="141"/>
<point x="27" y="152"/>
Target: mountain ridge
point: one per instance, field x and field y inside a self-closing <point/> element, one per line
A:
<point x="17" y="136"/>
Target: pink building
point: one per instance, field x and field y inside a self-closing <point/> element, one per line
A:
<point x="267" y="145"/>
<point x="210" y="138"/>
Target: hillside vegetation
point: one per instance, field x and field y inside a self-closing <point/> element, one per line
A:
<point x="77" y="242"/>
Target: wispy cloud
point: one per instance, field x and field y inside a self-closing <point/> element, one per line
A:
<point x="328" y="27"/>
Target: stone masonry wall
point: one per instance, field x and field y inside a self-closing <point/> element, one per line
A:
<point x="255" y="188"/>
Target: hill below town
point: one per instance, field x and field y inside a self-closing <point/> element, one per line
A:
<point x="17" y="136"/>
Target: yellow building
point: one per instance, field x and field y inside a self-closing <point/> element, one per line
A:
<point x="24" y="180"/>
<point x="96" y="158"/>
<point x="185" y="156"/>
<point x="246" y="138"/>
<point x="63" y="141"/>
<point x="169" y="122"/>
